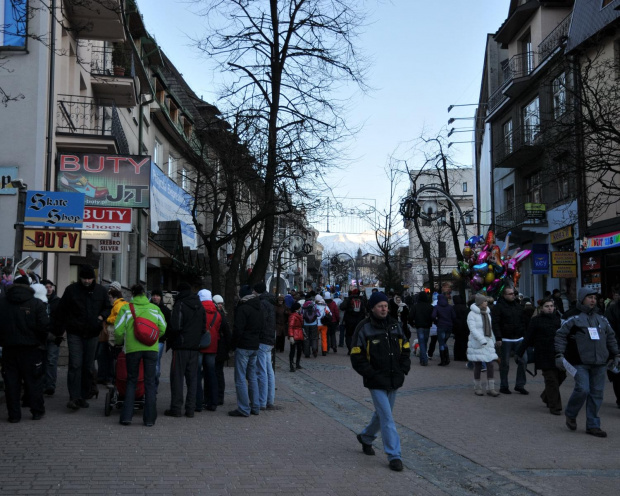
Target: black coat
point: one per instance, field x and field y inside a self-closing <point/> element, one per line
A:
<point x="223" y="345"/>
<point x="541" y="335"/>
<point x="268" y="334"/>
<point x="80" y="308"/>
<point x="188" y="322"/>
<point x="24" y="321"/>
<point x="167" y="316"/>
<point x="507" y="319"/>
<point x="249" y="323"/>
<point x="421" y="316"/>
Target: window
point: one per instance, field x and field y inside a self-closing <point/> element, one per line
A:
<point x="507" y="132"/>
<point x="158" y="153"/>
<point x="531" y="122"/>
<point x="464" y="187"/>
<point x="426" y="248"/>
<point x="442" y="249"/>
<point x="172" y="166"/>
<point x="183" y="173"/>
<point x="509" y="197"/>
<point x="558" y="87"/>
<point x="13" y="17"/>
<point x="469" y="219"/>
<point x="533" y="186"/>
<point x="528" y="56"/>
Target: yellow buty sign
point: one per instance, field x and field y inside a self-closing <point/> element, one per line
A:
<point x="51" y="240"/>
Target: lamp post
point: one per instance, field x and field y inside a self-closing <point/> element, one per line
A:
<point x="22" y="188"/>
<point x="466" y="105"/>
<point x="276" y="263"/>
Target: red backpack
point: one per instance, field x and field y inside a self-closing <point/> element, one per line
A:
<point x="144" y="330"/>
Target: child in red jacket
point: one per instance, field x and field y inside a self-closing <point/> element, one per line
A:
<point x="295" y="334"/>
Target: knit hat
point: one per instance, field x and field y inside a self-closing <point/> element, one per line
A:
<point x="376" y="298"/>
<point x="583" y="292"/>
<point x="260" y="287"/>
<point x="86" y="272"/>
<point x="23" y="280"/>
<point x="480" y="299"/>
<point x="205" y="295"/>
<point x="327" y="295"/>
<point x="296" y="306"/>
<point x="157" y="292"/>
<point x="245" y="291"/>
<point x="47" y="281"/>
<point x="217" y="299"/>
<point x="115" y="285"/>
<point x="319" y="299"/>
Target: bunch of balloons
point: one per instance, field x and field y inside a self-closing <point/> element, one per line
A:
<point x="487" y="267"/>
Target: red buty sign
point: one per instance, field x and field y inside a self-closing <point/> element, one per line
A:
<point x="107" y="219"/>
<point x="51" y="240"/>
<point x="112" y="245"/>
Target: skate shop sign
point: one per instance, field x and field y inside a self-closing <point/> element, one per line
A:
<point x="53" y="209"/>
<point x="107" y="219"/>
<point x="106" y="180"/>
<point x="51" y="240"/>
<point x="112" y="245"/>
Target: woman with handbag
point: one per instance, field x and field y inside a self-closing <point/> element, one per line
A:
<point x="105" y="360"/>
<point x="128" y="332"/>
<point x="207" y="398"/>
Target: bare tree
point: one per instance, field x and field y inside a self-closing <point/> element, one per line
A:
<point x="285" y="59"/>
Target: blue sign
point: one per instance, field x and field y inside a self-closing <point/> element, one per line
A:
<point x="54" y="209"/>
<point x="540" y="259"/>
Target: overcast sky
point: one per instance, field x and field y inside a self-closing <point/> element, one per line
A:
<point x="425" y="56"/>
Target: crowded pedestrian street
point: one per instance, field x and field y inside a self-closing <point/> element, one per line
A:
<point x="453" y="442"/>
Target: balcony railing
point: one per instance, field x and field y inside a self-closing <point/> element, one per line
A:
<point x="520" y="138"/>
<point x="519" y="216"/>
<point x="555" y="39"/>
<point x="114" y="60"/>
<point x="85" y="116"/>
<point x="520" y="65"/>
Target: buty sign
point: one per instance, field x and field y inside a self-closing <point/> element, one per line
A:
<point x="51" y="240"/>
<point x="107" y="219"/>
<point x="106" y="180"/>
<point x="53" y="209"/>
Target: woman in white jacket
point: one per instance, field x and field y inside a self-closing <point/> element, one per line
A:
<point x="481" y="344"/>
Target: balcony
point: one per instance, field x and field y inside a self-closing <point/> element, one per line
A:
<point x="83" y="123"/>
<point x="522" y="216"/>
<point x="96" y="19"/>
<point x="521" y="146"/>
<point x="113" y="74"/>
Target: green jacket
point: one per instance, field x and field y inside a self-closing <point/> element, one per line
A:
<point x="123" y="327"/>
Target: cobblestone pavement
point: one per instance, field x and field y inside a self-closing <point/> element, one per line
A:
<point x="453" y="442"/>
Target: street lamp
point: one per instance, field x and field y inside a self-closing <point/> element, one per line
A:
<point x="452" y="119"/>
<point x="466" y="105"/>
<point x="456" y="142"/>
<point x="455" y="130"/>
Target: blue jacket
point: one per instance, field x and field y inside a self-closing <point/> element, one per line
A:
<point x="443" y="314"/>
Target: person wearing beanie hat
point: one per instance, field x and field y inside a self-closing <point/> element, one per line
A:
<point x="207" y="394"/>
<point x="296" y="336"/>
<point x="376" y="298"/>
<point x="481" y="344"/>
<point x="334" y="310"/>
<point x="82" y="312"/>
<point x="325" y="319"/>
<point x="592" y="342"/>
<point x="53" y="342"/>
<point x="244" y="291"/>
<point x="223" y="349"/>
<point x="381" y="355"/>
<point x="157" y="299"/>
<point x="116" y="285"/>
<point x="205" y="295"/>
<point x="217" y="299"/>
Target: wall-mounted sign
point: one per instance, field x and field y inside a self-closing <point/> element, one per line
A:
<point x="564" y="271"/>
<point x="7" y="174"/>
<point x="51" y="240"/>
<point x="54" y="209"/>
<point x="590" y="263"/>
<point x="96" y="235"/>
<point x="107" y="219"/>
<point x="563" y="258"/>
<point x="611" y="240"/>
<point x="112" y="245"/>
<point x="106" y="180"/>
<point x="535" y="210"/>
<point x="540" y="263"/>
<point x="559" y="235"/>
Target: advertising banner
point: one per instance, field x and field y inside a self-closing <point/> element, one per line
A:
<point x="564" y="271"/>
<point x="540" y="259"/>
<point x="559" y="235"/>
<point x="107" y="219"/>
<point x="590" y="263"/>
<point x="7" y="174"/>
<point x="170" y="202"/>
<point x="563" y="258"/>
<point x="106" y="180"/>
<point x="51" y="240"/>
<point x="611" y="240"/>
<point x="54" y="209"/>
<point x="112" y="245"/>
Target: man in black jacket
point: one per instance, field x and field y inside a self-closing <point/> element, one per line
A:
<point x="82" y="311"/>
<point x="509" y="328"/>
<point x="23" y="331"/>
<point x="187" y="325"/>
<point x="53" y="341"/>
<point x="421" y="318"/>
<point x="381" y="355"/>
<point x="249" y="323"/>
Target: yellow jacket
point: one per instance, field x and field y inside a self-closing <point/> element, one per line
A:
<point x="118" y="304"/>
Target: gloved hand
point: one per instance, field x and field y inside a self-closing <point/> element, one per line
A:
<point x="613" y="364"/>
<point x="292" y="340"/>
<point x="559" y="362"/>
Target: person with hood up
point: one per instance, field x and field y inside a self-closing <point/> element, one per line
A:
<point x="23" y="332"/>
<point x="206" y="359"/>
<point x="248" y="326"/>
<point x="353" y="309"/>
<point x="481" y="344"/>
<point x="325" y="319"/>
<point x="296" y="336"/>
<point x="445" y="317"/>
<point x="187" y="325"/>
<point x="587" y="342"/>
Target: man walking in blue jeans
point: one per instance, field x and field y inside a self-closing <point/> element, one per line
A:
<point x="587" y="342"/>
<point x="381" y="355"/>
<point x="264" y="369"/>
<point x="249" y="323"/>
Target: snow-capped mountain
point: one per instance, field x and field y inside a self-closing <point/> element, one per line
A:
<point x="349" y="243"/>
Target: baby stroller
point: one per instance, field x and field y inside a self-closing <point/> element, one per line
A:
<point x="115" y="396"/>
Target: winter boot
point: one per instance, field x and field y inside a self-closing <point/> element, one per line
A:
<point x="447" y="356"/>
<point x="292" y="365"/>
<point x="478" y="388"/>
<point x="442" y="356"/>
<point x="491" y="388"/>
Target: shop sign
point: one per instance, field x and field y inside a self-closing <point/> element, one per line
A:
<point x="535" y="210"/>
<point x="563" y="258"/>
<point x="540" y="263"/>
<point x="51" y="240"/>
<point x="590" y="263"/>
<point x="54" y="209"/>
<point x="604" y="242"/>
<point x="107" y="219"/>
<point x="564" y="271"/>
<point x="96" y="235"/>
<point x="7" y="174"/>
<point x="106" y="180"/>
<point x="112" y="245"/>
<point x="559" y="235"/>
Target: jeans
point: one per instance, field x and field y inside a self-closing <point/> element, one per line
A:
<point x="245" y="379"/>
<point x="423" y="341"/>
<point x="265" y="376"/>
<point x="149" y="359"/>
<point x="51" y="366"/>
<point x="382" y="419"/>
<point x="443" y="333"/>
<point x="81" y="358"/>
<point x="160" y="352"/>
<point x="589" y="386"/>
<point x="207" y="395"/>
<point x="507" y="347"/>
<point x="311" y="343"/>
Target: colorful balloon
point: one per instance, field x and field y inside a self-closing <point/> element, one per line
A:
<point x="482" y="257"/>
<point x="490" y="239"/>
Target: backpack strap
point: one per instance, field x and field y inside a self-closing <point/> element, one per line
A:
<point x="213" y="321"/>
<point x="133" y="311"/>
